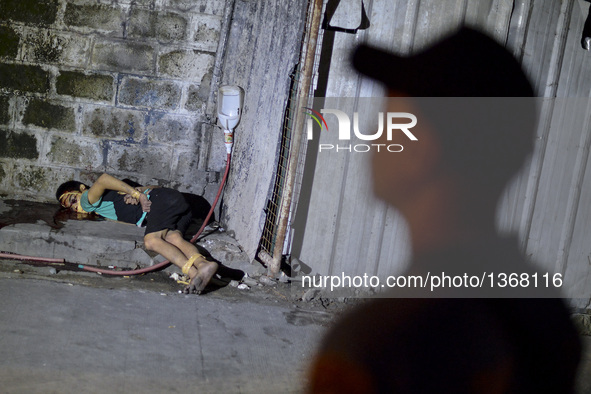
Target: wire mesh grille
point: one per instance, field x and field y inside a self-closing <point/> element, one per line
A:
<point x="273" y="205"/>
<point x="273" y="208"/>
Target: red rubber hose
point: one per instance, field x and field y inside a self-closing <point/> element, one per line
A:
<point x="30" y="258"/>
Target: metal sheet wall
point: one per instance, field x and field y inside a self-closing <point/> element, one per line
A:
<point x="547" y="204"/>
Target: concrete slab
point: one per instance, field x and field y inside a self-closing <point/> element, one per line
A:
<point x="81" y="242"/>
<point x="71" y="339"/>
<point x="43" y="230"/>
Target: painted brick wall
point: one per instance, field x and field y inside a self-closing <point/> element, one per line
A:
<point x="122" y="87"/>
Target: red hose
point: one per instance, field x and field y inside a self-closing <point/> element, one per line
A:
<point x="165" y="263"/>
<point x="124" y="273"/>
<point x="215" y="202"/>
<point x="30" y="258"/>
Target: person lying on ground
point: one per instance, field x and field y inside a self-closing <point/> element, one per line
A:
<point x="163" y="211"/>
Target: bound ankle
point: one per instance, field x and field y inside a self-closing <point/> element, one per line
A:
<point x="190" y="262"/>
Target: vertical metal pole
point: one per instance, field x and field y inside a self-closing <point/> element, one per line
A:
<point x="301" y="100"/>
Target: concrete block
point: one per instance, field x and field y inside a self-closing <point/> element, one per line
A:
<point x="185" y="64"/>
<point x="142" y="3"/>
<point x="75" y="152"/>
<point x="27" y="239"/>
<point x="123" y="56"/>
<point x="37" y="12"/>
<point x="217" y="152"/>
<point x="57" y="176"/>
<point x="187" y="175"/>
<point x="91" y="86"/>
<point x="18" y="145"/>
<point x="83" y="242"/>
<point x="4" y="168"/>
<point x="207" y="32"/>
<point x="163" y="26"/>
<point x="225" y="249"/>
<point x="31" y="182"/>
<point x="37" y="181"/>
<point x="48" y="46"/>
<point x="24" y="78"/>
<point x="168" y="128"/>
<point x="50" y="116"/>
<point x="126" y="259"/>
<point x="197" y="95"/>
<point x="139" y="158"/>
<point x="108" y="122"/>
<point x="9" y="42"/>
<point x="88" y="177"/>
<point x="101" y="17"/>
<point x="149" y="93"/>
<point x="4" y="110"/>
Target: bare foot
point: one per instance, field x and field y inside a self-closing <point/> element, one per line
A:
<point x="205" y="271"/>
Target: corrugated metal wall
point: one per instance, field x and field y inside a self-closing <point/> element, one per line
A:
<point x="347" y="230"/>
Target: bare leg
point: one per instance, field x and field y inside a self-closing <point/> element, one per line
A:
<point x="157" y="243"/>
<point x="205" y="269"/>
<point x="173" y="247"/>
<point x="176" y="238"/>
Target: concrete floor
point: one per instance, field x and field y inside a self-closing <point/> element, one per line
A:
<point x="64" y="331"/>
<point x="60" y="337"/>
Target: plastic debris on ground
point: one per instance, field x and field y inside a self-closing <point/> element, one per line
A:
<point x="181" y="279"/>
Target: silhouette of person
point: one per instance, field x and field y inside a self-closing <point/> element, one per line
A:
<point x="586" y="36"/>
<point x="476" y="117"/>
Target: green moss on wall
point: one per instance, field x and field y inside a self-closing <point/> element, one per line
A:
<point x="47" y="47"/>
<point x="18" y="146"/>
<point x="24" y="78"/>
<point x="94" y="16"/>
<point x="2" y="172"/>
<point x="95" y="87"/>
<point x="41" y="12"/>
<point x="51" y="116"/>
<point x="32" y="178"/>
<point x="9" y="41"/>
<point x="4" y="114"/>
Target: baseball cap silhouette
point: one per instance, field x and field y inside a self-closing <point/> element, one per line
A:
<point x="466" y="63"/>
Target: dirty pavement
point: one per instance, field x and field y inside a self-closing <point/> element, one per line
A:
<point x="65" y="330"/>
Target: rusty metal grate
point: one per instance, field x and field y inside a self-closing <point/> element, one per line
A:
<point x="273" y="207"/>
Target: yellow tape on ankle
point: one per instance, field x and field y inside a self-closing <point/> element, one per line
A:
<point x="190" y="263"/>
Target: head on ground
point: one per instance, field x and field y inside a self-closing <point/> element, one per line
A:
<point x="68" y="194"/>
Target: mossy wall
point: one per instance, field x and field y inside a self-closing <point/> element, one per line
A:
<point x="121" y="87"/>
